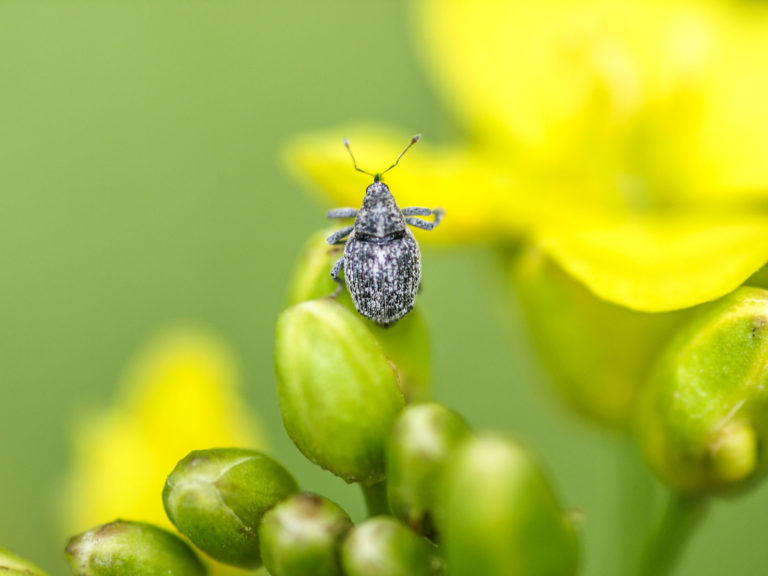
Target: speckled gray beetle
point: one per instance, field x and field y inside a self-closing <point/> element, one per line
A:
<point x="381" y="261"/>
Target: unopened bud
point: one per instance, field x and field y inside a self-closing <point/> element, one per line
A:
<point x="382" y="546"/>
<point x="12" y="565"/>
<point x="312" y="274"/>
<point x="502" y="516"/>
<point x="129" y="548"/>
<point x="405" y="343"/>
<point x="338" y="392"/>
<point x="598" y="354"/>
<point x="704" y="413"/>
<point x="301" y="536"/>
<point x="423" y="440"/>
<point x="218" y="497"/>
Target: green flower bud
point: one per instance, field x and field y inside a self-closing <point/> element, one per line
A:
<point x="12" y="565"/>
<point x="301" y="536"/>
<point x="704" y="413"/>
<point x="382" y="546"/>
<point x="218" y="497"/>
<point x="759" y="279"/>
<point x="338" y="392"/>
<point x="502" y="516"/>
<point x="130" y="548"/>
<point x="423" y="440"/>
<point x="312" y="275"/>
<point x="597" y="354"/>
<point x="406" y="343"/>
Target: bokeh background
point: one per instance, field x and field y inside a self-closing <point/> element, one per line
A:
<point x="142" y="186"/>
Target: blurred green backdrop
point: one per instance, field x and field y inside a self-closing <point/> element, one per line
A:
<point x="141" y="184"/>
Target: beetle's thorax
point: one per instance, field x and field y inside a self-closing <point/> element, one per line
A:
<point x="379" y="217"/>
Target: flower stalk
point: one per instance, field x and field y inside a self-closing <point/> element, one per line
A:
<point x="666" y="544"/>
<point x="376" y="498"/>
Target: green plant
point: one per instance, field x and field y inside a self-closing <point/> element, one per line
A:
<point x="442" y="498"/>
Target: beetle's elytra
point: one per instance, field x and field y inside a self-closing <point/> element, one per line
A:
<point x="381" y="261"/>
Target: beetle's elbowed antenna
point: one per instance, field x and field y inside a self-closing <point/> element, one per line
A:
<point x="378" y="175"/>
<point x="411" y="143"/>
<point x="354" y="162"/>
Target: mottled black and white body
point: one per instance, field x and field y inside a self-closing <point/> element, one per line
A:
<point x="381" y="261"/>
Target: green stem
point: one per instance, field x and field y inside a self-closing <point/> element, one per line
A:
<point x="376" y="498"/>
<point x="636" y="499"/>
<point x="667" y="542"/>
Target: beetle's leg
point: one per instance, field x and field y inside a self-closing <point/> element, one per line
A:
<point x="416" y="211"/>
<point x="342" y="213"/>
<point x="335" y="271"/>
<point x="338" y="236"/>
<point x="337" y="268"/>
<point x="423" y="224"/>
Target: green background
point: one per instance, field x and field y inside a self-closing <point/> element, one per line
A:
<point x="141" y="184"/>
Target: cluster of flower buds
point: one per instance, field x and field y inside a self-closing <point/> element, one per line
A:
<point x="477" y="503"/>
<point x="353" y="399"/>
<point x="442" y="498"/>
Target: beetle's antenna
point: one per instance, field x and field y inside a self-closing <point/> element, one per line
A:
<point x="411" y="143"/>
<point x="354" y="162"/>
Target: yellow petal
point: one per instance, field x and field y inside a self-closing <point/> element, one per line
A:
<point x="734" y="128"/>
<point x="660" y="262"/>
<point x="545" y="72"/>
<point x="181" y="393"/>
<point x="669" y="96"/>
<point x="480" y="199"/>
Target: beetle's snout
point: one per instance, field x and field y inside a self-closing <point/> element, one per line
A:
<point x="377" y="190"/>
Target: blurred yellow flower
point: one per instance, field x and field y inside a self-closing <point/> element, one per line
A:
<point x="625" y="138"/>
<point x="180" y="393"/>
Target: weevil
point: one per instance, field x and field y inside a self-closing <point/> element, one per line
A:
<point x="381" y="260"/>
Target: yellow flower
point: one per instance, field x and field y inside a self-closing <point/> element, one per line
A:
<point x="625" y="138"/>
<point x="466" y="183"/>
<point x="181" y="393"/>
